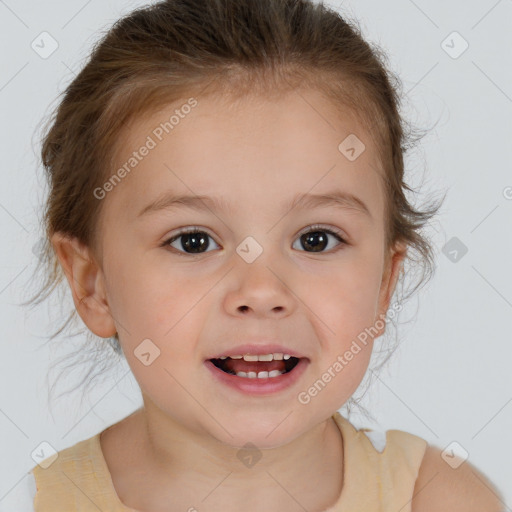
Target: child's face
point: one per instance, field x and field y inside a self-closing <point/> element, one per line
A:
<point x="256" y="158"/>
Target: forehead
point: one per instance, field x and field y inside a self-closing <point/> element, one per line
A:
<point x="250" y="150"/>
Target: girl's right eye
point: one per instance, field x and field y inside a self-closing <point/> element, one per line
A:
<point x="193" y="240"/>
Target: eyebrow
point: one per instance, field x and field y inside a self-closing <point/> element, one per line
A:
<point x="336" y="198"/>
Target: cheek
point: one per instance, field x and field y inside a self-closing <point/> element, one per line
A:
<point x="149" y="297"/>
<point x="349" y="298"/>
<point x="169" y="311"/>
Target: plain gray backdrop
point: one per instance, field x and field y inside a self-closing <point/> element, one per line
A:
<point x="450" y="380"/>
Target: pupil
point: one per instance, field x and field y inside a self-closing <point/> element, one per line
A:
<point x="316" y="240"/>
<point x="191" y="241"/>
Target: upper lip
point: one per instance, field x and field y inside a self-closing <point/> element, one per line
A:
<point x="257" y="349"/>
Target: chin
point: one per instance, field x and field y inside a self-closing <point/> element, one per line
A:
<point x="264" y="433"/>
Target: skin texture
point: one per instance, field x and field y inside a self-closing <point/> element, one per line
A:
<point x="257" y="155"/>
<point x="461" y="489"/>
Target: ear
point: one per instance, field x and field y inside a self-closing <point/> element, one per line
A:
<point x="392" y="267"/>
<point x="87" y="284"/>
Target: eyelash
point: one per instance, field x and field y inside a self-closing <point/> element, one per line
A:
<point x="316" y="227"/>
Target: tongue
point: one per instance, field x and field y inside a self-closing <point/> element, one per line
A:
<point x="240" y="365"/>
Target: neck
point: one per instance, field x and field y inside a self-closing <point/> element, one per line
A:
<point x="306" y="472"/>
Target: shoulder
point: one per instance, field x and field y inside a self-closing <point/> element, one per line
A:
<point x="21" y="497"/>
<point x="461" y="488"/>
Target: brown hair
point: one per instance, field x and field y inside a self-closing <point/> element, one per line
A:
<point x="177" y="48"/>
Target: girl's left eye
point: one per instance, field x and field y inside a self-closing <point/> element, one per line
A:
<point x="194" y="240"/>
<point x="315" y="238"/>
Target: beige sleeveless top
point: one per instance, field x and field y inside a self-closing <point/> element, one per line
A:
<point x="379" y="474"/>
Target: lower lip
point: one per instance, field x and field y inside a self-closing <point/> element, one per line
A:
<point x="259" y="386"/>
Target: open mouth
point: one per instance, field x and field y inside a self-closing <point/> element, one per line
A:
<point x="256" y="369"/>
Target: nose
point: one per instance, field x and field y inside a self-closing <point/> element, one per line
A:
<point x="259" y="290"/>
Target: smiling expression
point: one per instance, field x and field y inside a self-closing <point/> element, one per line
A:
<point x="285" y="249"/>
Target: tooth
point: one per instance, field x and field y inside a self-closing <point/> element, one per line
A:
<point x="235" y="357"/>
<point x="249" y="357"/>
<point x="266" y="357"/>
<point x="223" y="357"/>
<point x="262" y="375"/>
<point x="286" y="356"/>
<point x="278" y="357"/>
<point x="252" y="375"/>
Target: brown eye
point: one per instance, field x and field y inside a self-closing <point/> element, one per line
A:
<point x="317" y="239"/>
<point x="191" y="241"/>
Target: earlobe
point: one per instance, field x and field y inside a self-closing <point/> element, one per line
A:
<point x="86" y="282"/>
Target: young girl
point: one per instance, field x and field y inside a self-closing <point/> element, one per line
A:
<point x="228" y="206"/>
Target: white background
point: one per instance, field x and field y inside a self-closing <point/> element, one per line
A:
<point x="450" y="380"/>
